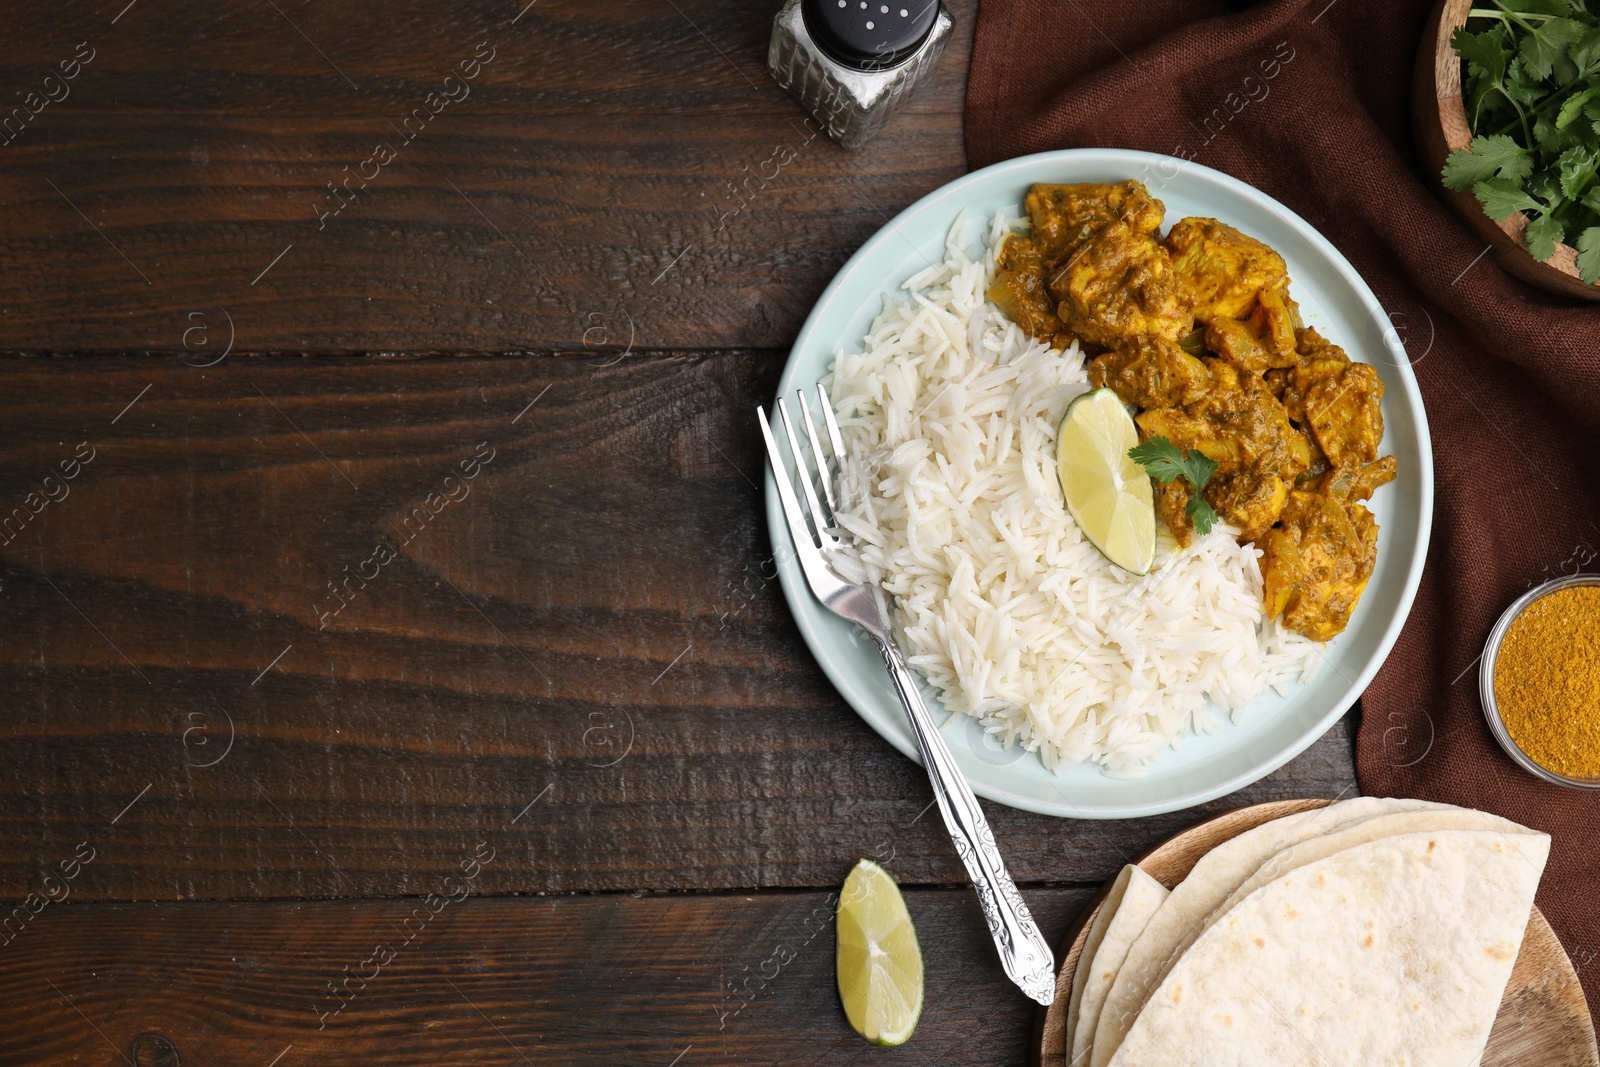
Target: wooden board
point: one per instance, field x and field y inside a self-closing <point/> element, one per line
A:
<point x="589" y="980"/>
<point x="1543" y="1018"/>
<point x="595" y="627"/>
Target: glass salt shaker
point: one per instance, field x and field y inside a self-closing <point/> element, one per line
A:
<point x="853" y="62"/>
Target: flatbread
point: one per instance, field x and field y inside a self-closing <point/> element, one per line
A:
<point x="1316" y="848"/>
<point x="1392" y="952"/>
<point x="1217" y="874"/>
<point x="1132" y="899"/>
<point x="1091" y="943"/>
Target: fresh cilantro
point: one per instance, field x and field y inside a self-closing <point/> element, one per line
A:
<point x="1576" y="167"/>
<point x="1545" y="187"/>
<point x="1545" y="44"/>
<point x="1501" y="197"/>
<point x="1485" y="51"/>
<point x="1489" y="157"/>
<point x="1589" y="255"/>
<point x="1201" y="513"/>
<point x="1532" y="89"/>
<point x="1586" y="53"/>
<point x="1543" y="234"/>
<point x="1574" y="106"/>
<point x="1164" y="461"/>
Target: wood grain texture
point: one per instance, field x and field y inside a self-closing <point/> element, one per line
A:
<point x="614" y="166"/>
<point x="570" y="980"/>
<point x="592" y="630"/>
<point x="1543" y="1015"/>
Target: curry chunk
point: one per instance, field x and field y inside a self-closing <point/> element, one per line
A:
<point x="1237" y="423"/>
<point x="1190" y="431"/>
<point x="1125" y="280"/>
<point x="1220" y="271"/>
<point x="1343" y="413"/>
<point x="1338" y="401"/>
<point x="1063" y="217"/>
<point x="1019" y="290"/>
<point x="1276" y="320"/>
<point x="1316" y="563"/>
<point x="1238" y="342"/>
<point x="1312" y="346"/>
<point x="1119" y="284"/>
<point x="1247" y="499"/>
<point x="1357" y="483"/>
<point x="1172" y="508"/>
<point x="1150" y="372"/>
<point x="1315" y="359"/>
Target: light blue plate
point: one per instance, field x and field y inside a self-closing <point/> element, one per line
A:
<point x="1332" y="297"/>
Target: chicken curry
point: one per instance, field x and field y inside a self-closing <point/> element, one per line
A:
<point x="1198" y="332"/>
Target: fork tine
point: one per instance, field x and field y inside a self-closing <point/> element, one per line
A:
<point x="817" y="454"/>
<point x="802" y="468"/>
<point x="834" y="437"/>
<point x="804" y="546"/>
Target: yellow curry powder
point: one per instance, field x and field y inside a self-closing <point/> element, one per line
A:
<point x="1547" y="681"/>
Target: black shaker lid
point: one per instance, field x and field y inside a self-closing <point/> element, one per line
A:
<point x="869" y="33"/>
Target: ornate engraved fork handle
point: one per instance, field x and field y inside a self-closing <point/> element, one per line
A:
<point x="1024" y="953"/>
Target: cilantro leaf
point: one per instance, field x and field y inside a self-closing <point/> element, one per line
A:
<point x="1521" y="86"/>
<point x="1164" y="461"/>
<point x="1586" y="53"/>
<point x="1574" y="107"/>
<point x="1546" y="44"/>
<point x="1489" y="157"/>
<point x="1487" y="51"/>
<point x="1545" y="187"/>
<point x="1577" y="166"/>
<point x="1543" y="234"/>
<point x="1502" y="198"/>
<point x="1589" y="255"/>
<point x="1203" y="514"/>
<point x="1551" y="139"/>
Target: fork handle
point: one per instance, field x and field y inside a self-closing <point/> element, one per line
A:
<point x="1024" y="953"/>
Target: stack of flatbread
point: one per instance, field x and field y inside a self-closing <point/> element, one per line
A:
<point x="1367" y="932"/>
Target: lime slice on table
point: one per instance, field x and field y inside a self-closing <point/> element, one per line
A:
<point x="1107" y="493"/>
<point x="879" y="962"/>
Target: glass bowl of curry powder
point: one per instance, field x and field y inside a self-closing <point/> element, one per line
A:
<point x="1540" y="681"/>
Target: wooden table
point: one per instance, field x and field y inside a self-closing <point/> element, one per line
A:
<point x="395" y="669"/>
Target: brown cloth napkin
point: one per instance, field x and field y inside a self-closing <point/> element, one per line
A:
<point x="1310" y="101"/>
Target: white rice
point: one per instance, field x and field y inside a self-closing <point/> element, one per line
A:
<point x="949" y="418"/>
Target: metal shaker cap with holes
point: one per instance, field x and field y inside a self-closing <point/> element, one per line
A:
<point x="851" y="63"/>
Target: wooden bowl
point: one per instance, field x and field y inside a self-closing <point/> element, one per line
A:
<point x="1441" y="127"/>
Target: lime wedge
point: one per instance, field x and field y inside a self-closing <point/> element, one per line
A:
<point x="879" y="963"/>
<point x="1107" y="493"/>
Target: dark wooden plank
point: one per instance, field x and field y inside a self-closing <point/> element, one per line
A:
<point x="614" y="165"/>
<point x="591" y="630"/>
<point x="692" y="981"/>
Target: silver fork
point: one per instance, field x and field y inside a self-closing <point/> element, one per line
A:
<point x="1024" y="953"/>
